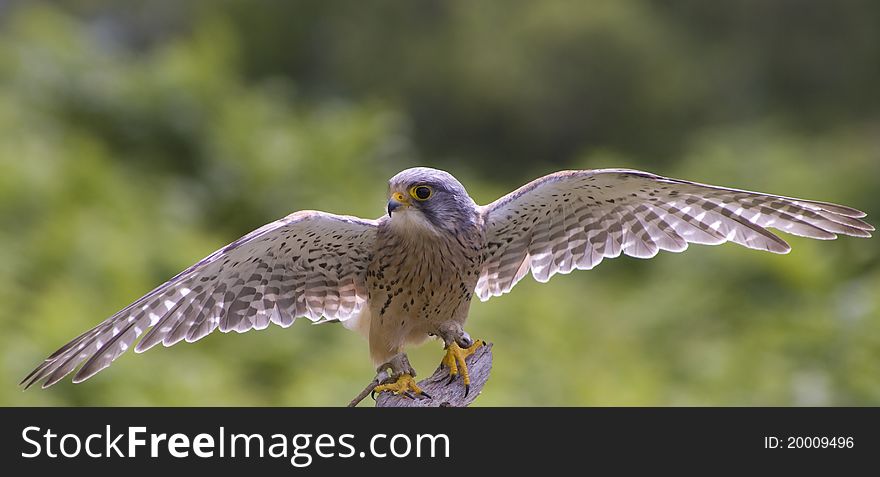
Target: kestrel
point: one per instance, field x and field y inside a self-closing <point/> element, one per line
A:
<point x="412" y="273"/>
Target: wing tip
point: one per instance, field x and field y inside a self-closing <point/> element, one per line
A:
<point x="844" y="210"/>
<point x="28" y="381"/>
<point x="778" y="245"/>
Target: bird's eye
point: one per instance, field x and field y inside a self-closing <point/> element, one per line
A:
<point x="421" y="192"/>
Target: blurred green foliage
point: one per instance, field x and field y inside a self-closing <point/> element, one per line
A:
<point x="140" y="136"/>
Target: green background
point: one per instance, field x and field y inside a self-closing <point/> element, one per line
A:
<point x="137" y="137"/>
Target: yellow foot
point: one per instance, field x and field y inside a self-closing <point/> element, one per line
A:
<point x="405" y="385"/>
<point x="455" y="362"/>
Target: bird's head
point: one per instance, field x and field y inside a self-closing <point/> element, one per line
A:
<point x="423" y="198"/>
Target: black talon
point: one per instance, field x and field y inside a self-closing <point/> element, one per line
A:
<point x="409" y="395"/>
<point x="426" y="395"/>
<point x="451" y="378"/>
<point x="373" y="394"/>
<point x="467" y="389"/>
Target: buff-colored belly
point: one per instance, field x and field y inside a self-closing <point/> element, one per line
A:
<point x="406" y="309"/>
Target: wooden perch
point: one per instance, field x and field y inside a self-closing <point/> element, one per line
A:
<point x="442" y="394"/>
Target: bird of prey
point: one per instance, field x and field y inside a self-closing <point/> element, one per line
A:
<point x="412" y="273"/>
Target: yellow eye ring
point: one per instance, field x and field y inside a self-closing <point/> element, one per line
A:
<point x="421" y="192"/>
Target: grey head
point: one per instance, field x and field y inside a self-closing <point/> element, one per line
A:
<point x="424" y="198"/>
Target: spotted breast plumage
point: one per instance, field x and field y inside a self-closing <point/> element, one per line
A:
<point x="412" y="273"/>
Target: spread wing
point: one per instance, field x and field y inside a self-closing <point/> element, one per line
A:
<point x="574" y="219"/>
<point x="309" y="264"/>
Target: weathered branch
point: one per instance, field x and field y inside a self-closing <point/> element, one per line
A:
<point x="442" y="392"/>
<point x="367" y="390"/>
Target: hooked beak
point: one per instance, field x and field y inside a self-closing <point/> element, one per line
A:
<point x="397" y="201"/>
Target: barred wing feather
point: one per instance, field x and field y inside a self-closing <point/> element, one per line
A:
<point x="308" y="264"/>
<point x="574" y="219"/>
